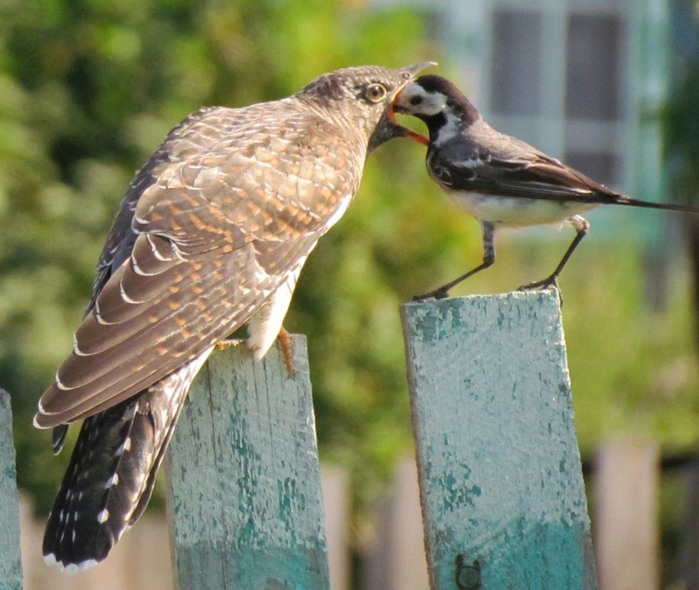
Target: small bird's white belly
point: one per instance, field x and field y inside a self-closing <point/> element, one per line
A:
<point x="518" y="211"/>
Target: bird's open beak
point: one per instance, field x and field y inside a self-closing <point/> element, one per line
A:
<point x="410" y="74"/>
<point x="404" y="131"/>
<point x="388" y="128"/>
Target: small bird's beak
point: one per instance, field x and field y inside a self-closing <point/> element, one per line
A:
<point x="410" y="74"/>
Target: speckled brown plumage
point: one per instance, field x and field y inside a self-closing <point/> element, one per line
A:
<point x="211" y="235"/>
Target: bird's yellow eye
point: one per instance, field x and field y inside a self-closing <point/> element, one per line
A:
<point x="376" y="92"/>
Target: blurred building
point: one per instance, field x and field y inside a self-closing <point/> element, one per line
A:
<point x="580" y="79"/>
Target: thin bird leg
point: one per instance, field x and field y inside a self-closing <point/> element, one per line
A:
<point x="284" y="342"/>
<point x="287" y="350"/>
<point x="488" y="259"/>
<point x="581" y="226"/>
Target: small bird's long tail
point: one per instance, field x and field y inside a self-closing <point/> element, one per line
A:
<point x="628" y="201"/>
<point x="112" y="471"/>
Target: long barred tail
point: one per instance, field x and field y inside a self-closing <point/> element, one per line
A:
<point x="112" y="471"/>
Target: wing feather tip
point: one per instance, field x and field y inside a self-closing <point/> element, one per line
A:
<point x="44" y="421"/>
<point x="69" y="568"/>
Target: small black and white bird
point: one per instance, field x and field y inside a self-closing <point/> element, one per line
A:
<point x="502" y="181"/>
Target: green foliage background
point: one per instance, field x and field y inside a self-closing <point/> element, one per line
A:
<point x="88" y="89"/>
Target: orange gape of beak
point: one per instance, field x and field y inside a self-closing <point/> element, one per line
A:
<point x="409" y="133"/>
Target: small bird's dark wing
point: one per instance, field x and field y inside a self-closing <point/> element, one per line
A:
<point x="537" y="178"/>
<point x="218" y="228"/>
<point x="496" y="164"/>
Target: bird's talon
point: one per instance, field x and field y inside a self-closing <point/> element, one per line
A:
<point x="288" y="351"/>
<point x="547" y="283"/>
<point x="435" y="295"/>
<point x="227" y="343"/>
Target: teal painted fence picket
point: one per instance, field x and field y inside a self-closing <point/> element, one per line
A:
<point x="244" y="480"/>
<point x="500" y="476"/>
<point x="10" y="558"/>
<point x="499" y="468"/>
<point x="498" y="463"/>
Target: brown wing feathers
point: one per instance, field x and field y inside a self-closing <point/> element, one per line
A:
<point x="115" y="360"/>
<point x="157" y="310"/>
<point x="221" y="225"/>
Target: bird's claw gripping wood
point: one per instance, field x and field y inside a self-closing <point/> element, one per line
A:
<point x="287" y="347"/>
<point x="545" y="284"/>
<point x="436" y="295"/>
<point x="224" y="344"/>
<point x="285" y="343"/>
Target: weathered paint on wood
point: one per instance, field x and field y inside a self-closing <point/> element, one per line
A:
<point x="244" y="481"/>
<point x="626" y="515"/>
<point x="499" y="467"/>
<point x="10" y="558"/>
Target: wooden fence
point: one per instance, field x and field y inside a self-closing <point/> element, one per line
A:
<point x="394" y="558"/>
<point x="499" y="475"/>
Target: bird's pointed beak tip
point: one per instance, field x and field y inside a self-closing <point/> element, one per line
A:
<point x="418" y="67"/>
<point x="409" y="74"/>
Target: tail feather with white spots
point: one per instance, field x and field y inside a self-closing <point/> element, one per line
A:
<point x="112" y="471"/>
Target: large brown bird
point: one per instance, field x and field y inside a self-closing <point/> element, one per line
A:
<point x="211" y="235"/>
<point x="501" y="180"/>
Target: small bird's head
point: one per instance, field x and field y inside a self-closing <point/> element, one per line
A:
<point x="362" y="97"/>
<point x="435" y="100"/>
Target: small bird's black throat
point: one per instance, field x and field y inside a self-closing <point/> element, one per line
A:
<point x="434" y="123"/>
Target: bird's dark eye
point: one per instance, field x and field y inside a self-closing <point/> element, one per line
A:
<point x="415" y="100"/>
<point x="376" y="92"/>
